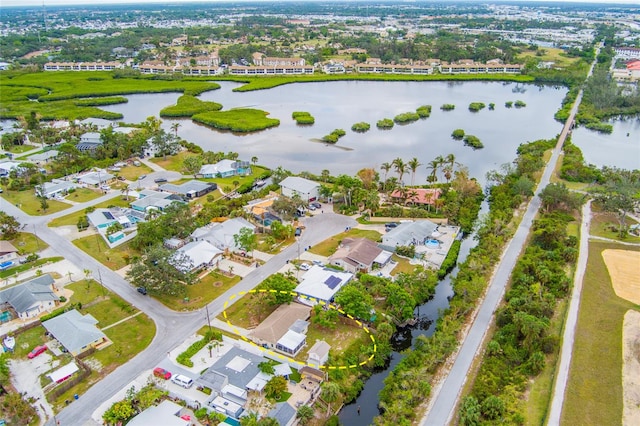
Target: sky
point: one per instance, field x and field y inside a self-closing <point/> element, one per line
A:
<point x="66" y="2"/>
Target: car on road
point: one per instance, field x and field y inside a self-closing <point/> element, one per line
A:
<point x="37" y="351"/>
<point x="142" y="177"/>
<point x="298" y="232"/>
<point x="162" y="373"/>
<point x="160" y="180"/>
<point x="142" y="291"/>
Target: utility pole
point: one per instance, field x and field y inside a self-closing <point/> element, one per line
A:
<point x="104" y="291"/>
<point x="208" y="319"/>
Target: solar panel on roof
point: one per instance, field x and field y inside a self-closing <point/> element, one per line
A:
<point x="108" y="215"/>
<point x="332" y="281"/>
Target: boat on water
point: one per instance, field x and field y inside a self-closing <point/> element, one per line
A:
<point x="9" y="342"/>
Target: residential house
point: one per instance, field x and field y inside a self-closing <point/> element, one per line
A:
<point x="321" y="285"/>
<point x="7" y="251"/>
<point x="359" y="255"/>
<point x="318" y="354"/>
<point x="82" y="66"/>
<point x="379" y="68"/>
<point x="44" y="157"/>
<point x="417" y="196"/>
<point x="30" y="299"/>
<point x="95" y="179"/>
<point x="167" y="413"/>
<point x="408" y="234"/>
<point x="56" y="188"/>
<point x="306" y="189"/>
<point x="261" y="209"/>
<point x="225" y="168"/>
<point x="103" y="218"/>
<point x="269" y="70"/>
<point x="75" y="332"/>
<point x="284" y="330"/>
<point x="284" y="414"/>
<point x="89" y="141"/>
<point x="190" y="189"/>
<point x="149" y="199"/>
<point x="7" y="166"/>
<point x="198" y="254"/>
<point x="99" y="123"/>
<point x="221" y="235"/>
<point x="627" y="52"/>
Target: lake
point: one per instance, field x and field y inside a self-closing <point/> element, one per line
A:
<point x="340" y="104"/>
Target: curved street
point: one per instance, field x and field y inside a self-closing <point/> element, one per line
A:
<point x="171" y="327"/>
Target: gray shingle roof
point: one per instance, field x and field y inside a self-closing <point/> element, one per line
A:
<point x="73" y="330"/>
<point x="283" y="413"/>
<point x="24" y="296"/>
<point x="214" y="375"/>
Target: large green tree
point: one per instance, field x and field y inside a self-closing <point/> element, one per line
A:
<point x="246" y="239"/>
<point x="9" y="226"/>
<point x="354" y="299"/>
<point x="161" y="271"/>
<point x="619" y="195"/>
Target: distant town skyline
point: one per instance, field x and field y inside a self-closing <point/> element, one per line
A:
<point x="106" y="2"/>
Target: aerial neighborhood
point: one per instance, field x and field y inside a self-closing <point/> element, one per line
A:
<point x="282" y="213"/>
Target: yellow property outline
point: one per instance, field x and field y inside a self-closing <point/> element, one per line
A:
<point x="280" y="356"/>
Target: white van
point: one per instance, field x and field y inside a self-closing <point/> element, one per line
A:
<point x="183" y="381"/>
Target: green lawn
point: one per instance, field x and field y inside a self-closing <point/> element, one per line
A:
<point x="82" y="195"/>
<point x="21" y="268"/>
<point x="106" y="307"/>
<point x="249" y="311"/>
<point x="29" y="203"/>
<point x="549" y="54"/>
<point x="27" y="341"/>
<point x="594" y="390"/>
<point x="172" y="162"/>
<point x="402" y="266"/>
<point x="603" y="225"/>
<point x="28" y="243"/>
<point x="115" y="258"/>
<point x="72" y="219"/>
<point x="329" y="246"/>
<point x="132" y="172"/>
<point x="19" y="149"/>
<point x="256" y="171"/>
<point x="201" y="293"/>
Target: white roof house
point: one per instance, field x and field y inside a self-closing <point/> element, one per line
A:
<point x="91" y="137"/>
<point x="95" y="178"/>
<point x="56" y="188"/>
<point x="7" y="166"/>
<point x="77" y="333"/>
<point x="306" y="189"/>
<point x="321" y="284"/>
<point x="408" y="234"/>
<point x="167" y="413"/>
<point x="318" y="353"/>
<point x="221" y="235"/>
<point x="200" y="253"/>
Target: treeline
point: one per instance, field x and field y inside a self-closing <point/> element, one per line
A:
<point x="524" y="339"/>
<point x="409" y="383"/>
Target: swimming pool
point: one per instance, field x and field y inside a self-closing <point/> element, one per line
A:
<point x="5" y="265"/>
<point x="432" y="244"/>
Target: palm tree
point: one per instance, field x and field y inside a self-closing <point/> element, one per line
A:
<point x="175" y="127"/>
<point x="412" y="196"/>
<point x="304" y="414"/>
<point x="413" y="165"/>
<point x="447" y="170"/>
<point x="254" y="159"/>
<point x="433" y="167"/>
<point x="385" y="167"/>
<point x="401" y="168"/>
<point x="330" y="394"/>
<point x="451" y="160"/>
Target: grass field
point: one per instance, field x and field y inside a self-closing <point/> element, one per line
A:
<point x="8" y="273"/>
<point x="82" y="195"/>
<point x="594" y="390"/>
<point x="602" y="225"/>
<point x="249" y="311"/>
<point x="72" y="219"/>
<point x="28" y="243"/>
<point x="115" y="258"/>
<point x="201" y="293"/>
<point x="29" y="203"/>
<point x="549" y="54"/>
<point x="132" y="172"/>
<point x="329" y="246"/>
<point x="172" y="162"/>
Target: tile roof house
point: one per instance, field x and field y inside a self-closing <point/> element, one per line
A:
<point x="321" y="284"/>
<point x="221" y="235"/>
<point x="200" y="254"/>
<point x="420" y="196"/>
<point x="359" y="254"/>
<point x="225" y="168"/>
<point x="283" y="330"/>
<point x="7" y="251"/>
<point x="77" y="333"/>
<point x="306" y="189"/>
<point x="190" y="189"/>
<point x="408" y="234"/>
<point x="31" y="298"/>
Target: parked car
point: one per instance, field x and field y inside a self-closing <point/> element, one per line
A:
<point x="183" y="381"/>
<point x="162" y="373"/>
<point x="316" y="204"/>
<point x="142" y="177"/>
<point x="298" y="232"/>
<point x="305" y="266"/>
<point x="311" y="207"/>
<point x="37" y="351"/>
<point x="160" y="180"/>
<point x="142" y="291"/>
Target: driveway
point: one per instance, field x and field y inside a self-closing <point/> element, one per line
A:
<point x="25" y="377"/>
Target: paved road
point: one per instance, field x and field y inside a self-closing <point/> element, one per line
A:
<point x="171" y="327"/>
<point x="445" y="397"/>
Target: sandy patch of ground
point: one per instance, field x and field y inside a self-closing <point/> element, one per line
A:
<point x="631" y="369"/>
<point x="624" y="270"/>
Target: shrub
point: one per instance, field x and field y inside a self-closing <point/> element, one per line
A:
<point x="303" y="117"/>
<point x="473" y="142"/>
<point x="508" y="104"/>
<point x="385" y="123"/>
<point x="451" y="259"/>
<point x="241" y="120"/>
<point x="361" y="127"/>
<point x="334" y="136"/>
<point x="476" y="106"/>
<point x="424" y="111"/>
<point x="448" y="107"/>
<point x="457" y="134"/>
<point x="406" y="117"/>
<point x="188" y="106"/>
<point x="492" y="106"/>
<point x="185" y="357"/>
<point x="406" y="251"/>
<point x="520" y="104"/>
<point x="599" y="127"/>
